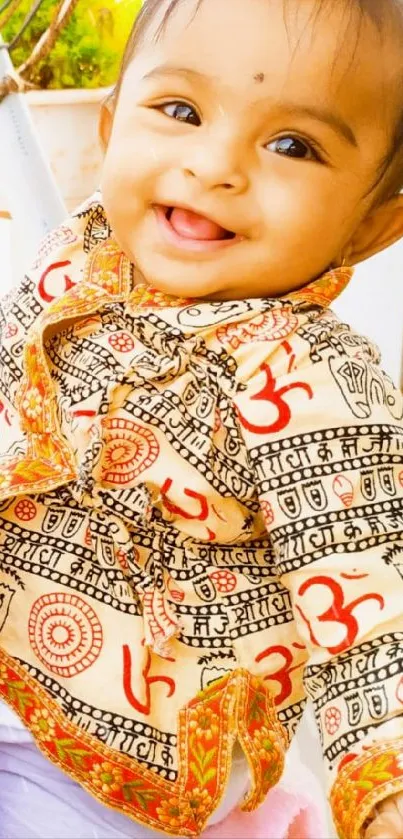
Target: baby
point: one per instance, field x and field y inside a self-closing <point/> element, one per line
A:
<point x="202" y="476"/>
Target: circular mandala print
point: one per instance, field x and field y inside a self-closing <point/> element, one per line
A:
<point x="121" y="557"/>
<point x="332" y="720"/>
<point x="64" y="633"/>
<point x="122" y="342"/>
<point x="25" y="509"/>
<point x="271" y="326"/>
<point x="225" y="581"/>
<point x="129" y="449"/>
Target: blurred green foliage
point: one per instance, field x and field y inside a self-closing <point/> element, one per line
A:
<point x="88" y="50"/>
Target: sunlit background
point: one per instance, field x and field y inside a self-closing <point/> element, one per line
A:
<point x="88" y="48"/>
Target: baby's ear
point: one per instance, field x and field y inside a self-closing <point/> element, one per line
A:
<point x="106" y="121"/>
<point x="379" y="229"/>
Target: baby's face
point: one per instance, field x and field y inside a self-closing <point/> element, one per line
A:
<point x="268" y="126"/>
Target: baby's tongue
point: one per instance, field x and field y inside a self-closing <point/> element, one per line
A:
<point x="192" y="226"/>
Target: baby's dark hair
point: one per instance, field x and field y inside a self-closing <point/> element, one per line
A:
<point x="389" y="178"/>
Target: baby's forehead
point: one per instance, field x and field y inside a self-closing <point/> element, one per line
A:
<point x="323" y="49"/>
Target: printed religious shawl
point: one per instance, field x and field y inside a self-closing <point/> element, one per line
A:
<point x="201" y="525"/>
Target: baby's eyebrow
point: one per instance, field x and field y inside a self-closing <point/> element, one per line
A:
<point x="164" y="70"/>
<point x="325" y="115"/>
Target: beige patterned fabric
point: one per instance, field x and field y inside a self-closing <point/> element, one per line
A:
<point x="201" y="524"/>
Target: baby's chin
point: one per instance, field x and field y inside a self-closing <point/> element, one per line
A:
<point x="207" y="292"/>
<point x="186" y="287"/>
<point x="208" y="281"/>
<point x="210" y="292"/>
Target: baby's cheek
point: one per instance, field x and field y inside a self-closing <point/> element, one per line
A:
<point x="298" y="232"/>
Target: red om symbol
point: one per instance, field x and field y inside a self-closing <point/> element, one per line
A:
<point x="172" y="508"/>
<point x="177" y="511"/>
<point x="68" y="283"/>
<point x="269" y="393"/>
<point x="282" y="675"/>
<point x="291" y="355"/>
<point x="148" y="681"/>
<point x="339" y="611"/>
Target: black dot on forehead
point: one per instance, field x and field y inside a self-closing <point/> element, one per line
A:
<point x="259" y="78"/>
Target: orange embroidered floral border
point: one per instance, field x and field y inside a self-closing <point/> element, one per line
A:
<point x="363" y="783"/>
<point x="237" y="706"/>
<point x="323" y="291"/>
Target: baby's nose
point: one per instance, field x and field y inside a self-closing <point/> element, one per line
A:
<point x="217" y="165"/>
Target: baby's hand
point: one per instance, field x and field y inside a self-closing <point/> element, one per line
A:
<point x="388" y="819"/>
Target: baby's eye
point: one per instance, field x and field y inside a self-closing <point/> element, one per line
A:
<point x="181" y="112"/>
<point x="293" y="147"/>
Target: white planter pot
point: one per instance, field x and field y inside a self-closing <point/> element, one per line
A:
<point x="67" y="123"/>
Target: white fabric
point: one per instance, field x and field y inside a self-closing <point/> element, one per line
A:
<point x="38" y="801"/>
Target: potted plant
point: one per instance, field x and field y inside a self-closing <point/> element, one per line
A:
<point x="68" y="53"/>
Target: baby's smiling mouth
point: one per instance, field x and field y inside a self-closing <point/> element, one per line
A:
<point x="191" y="225"/>
<point x="188" y="230"/>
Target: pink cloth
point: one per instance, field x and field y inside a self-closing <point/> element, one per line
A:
<point x="289" y="812"/>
